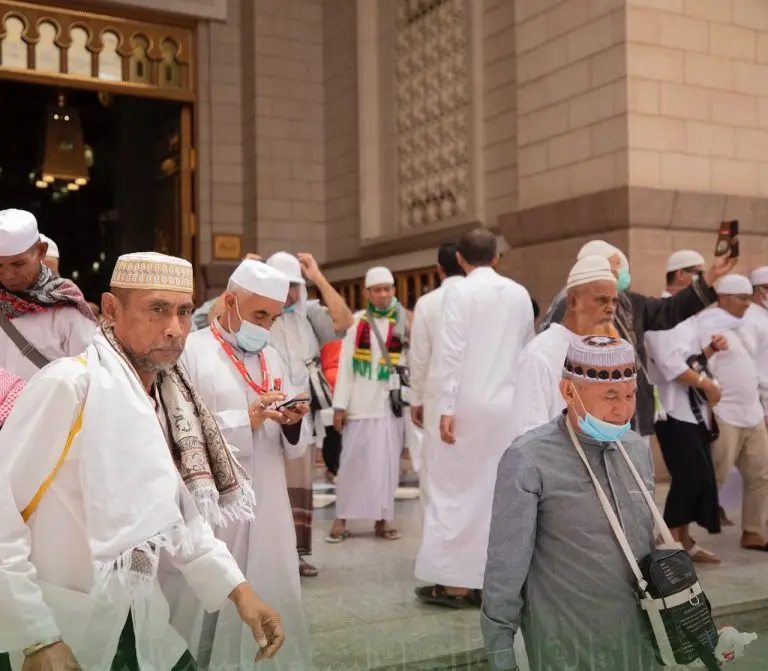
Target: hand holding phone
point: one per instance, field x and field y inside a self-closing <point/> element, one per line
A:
<point x="728" y="239"/>
<point x="291" y="403"/>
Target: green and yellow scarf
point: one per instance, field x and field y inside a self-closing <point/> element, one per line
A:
<point x="361" y="360"/>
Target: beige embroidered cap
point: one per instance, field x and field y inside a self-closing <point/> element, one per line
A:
<point x="153" y="271"/>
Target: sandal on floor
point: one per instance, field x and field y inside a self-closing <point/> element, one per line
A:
<point x="387" y="534"/>
<point x="437" y="595"/>
<point x="306" y="570"/>
<point x="758" y="548"/>
<point x="337" y="538"/>
<point x="702" y="556"/>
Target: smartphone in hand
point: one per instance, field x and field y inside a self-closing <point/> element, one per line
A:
<point x="728" y="239"/>
<point x="292" y="402"/>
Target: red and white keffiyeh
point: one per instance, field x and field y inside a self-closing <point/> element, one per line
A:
<point x="10" y="388"/>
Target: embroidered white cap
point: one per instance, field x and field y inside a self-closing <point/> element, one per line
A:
<point x="734" y="285"/>
<point x="590" y="269"/>
<point x="605" y="249"/>
<point x="18" y="232"/>
<point x="289" y="265"/>
<point x="601" y="359"/>
<point x="378" y="275"/>
<point x="759" y="276"/>
<point x="53" y="248"/>
<point x="152" y="271"/>
<point x="685" y="258"/>
<point x="261" y="279"/>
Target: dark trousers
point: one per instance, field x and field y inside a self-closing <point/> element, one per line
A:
<point x="332" y="449"/>
<point x="693" y="491"/>
<point x="5" y="662"/>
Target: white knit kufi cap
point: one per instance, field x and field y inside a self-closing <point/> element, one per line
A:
<point x="759" y="276"/>
<point x="590" y="269"/>
<point x="603" y="248"/>
<point x="289" y="265"/>
<point x="53" y="248"/>
<point x="261" y="279"/>
<point x="378" y="275"/>
<point x="601" y="359"/>
<point x="734" y="285"/>
<point x="152" y="271"/>
<point x="18" y="232"/>
<point x="685" y="258"/>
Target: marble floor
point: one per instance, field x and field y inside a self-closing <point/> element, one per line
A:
<point x="363" y="615"/>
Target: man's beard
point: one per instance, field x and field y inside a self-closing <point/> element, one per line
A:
<point x="143" y="363"/>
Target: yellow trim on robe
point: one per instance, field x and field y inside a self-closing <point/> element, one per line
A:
<point x="76" y="426"/>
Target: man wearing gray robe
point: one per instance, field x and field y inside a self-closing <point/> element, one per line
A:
<point x="555" y="569"/>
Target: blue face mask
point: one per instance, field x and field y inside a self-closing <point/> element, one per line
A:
<point x="623" y="280"/>
<point x="289" y="308"/>
<point x="604" y="432"/>
<point x="251" y="338"/>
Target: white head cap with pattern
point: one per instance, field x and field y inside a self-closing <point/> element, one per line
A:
<point x="53" y="248"/>
<point x="600" y="359"/>
<point x="18" y="232"/>
<point x="153" y="272"/>
<point x="590" y="269"/>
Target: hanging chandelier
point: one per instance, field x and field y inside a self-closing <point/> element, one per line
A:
<point x="66" y="158"/>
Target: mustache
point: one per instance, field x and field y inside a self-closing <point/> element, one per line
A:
<point x="176" y="349"/>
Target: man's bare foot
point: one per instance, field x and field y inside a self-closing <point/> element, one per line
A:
<point x="338" y="532"/>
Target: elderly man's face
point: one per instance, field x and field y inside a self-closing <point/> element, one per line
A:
<point x="152" y="326"/>
<point x="612" y="402"/>
<point x="20" y="272"/>
<point x="595" y="303"/>
<point x="735" y="305"/>
<point x="381" y="295"/>
<point x="244" y="306"/>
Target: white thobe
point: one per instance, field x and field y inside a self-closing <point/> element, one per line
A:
<point x="46" y="570"/>
<point x="426" y="316"/>
<point x="264" y="548"/>
<point x="539" y="372"/>
<point x="372" y="439"/>
<point x="55" y="333"/>
<point x="486" y="322"/>
<point x="756" y="324"/>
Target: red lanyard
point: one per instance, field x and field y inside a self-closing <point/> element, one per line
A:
<point x="241" y="366"/>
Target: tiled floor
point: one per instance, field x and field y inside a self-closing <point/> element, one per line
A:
<point x="363" y="614"/>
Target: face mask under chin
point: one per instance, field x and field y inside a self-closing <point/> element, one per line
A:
<point x="599" y="430"/>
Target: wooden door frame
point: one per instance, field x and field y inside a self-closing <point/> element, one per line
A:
<point x="189" y="244"/>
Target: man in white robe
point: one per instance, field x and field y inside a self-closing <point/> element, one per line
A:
<point x="486" y="321"/>
<point x="743" y="438"/>
<point x="243" y="402"/>
<point x="372" y="435"/>
<point x="106" y="460"/>
<point x="43" y="317"/>
<point x="426" y="316"/>
<point x="591" y="308"/>
<point x="302" y="330"/>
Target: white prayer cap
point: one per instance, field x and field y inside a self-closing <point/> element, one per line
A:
<point x="685" y="258"/>
<point x="759" y="276"/>
<point x="604" y="249"/>
<point x="152" y="271"/>
<point x="289" y="265"/>
<point x="53" y="248"/>
<point x="261" y="279"/>
<point x="590" y="269"/>
<point x="734" y="285"/>
<point x="18" y="232"/>
<point x="598" y="358"/>
<point x="378" y="275"/>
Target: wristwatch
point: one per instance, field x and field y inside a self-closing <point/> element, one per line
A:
<point x="45" y="643"/>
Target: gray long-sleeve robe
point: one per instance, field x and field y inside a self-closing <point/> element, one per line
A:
<point x="554" y="565"/>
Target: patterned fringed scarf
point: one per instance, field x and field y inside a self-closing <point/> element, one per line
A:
<point x="10" y="388"/>
<point x="46" y="293"/>
<point x="218" y="484"/>
<point x="361" y="360"/>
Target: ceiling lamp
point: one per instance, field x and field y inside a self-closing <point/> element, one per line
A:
<point x="64" y="156"/>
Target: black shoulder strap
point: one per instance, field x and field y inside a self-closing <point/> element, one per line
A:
<point x="27" y="349"/>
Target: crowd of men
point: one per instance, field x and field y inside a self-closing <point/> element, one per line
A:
<point x="157" y="464"/>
